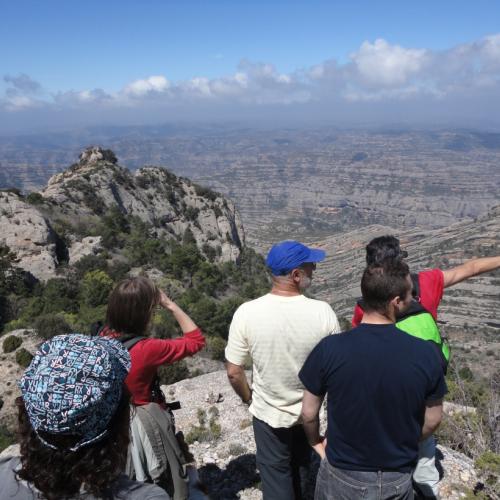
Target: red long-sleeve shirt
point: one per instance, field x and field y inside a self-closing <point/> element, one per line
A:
<point x="149" y="354"/>
<point x="431" y="284"/>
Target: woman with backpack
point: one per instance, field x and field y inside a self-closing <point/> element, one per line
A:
<point x="155" y="455"/>
<point x="74" y="425"/>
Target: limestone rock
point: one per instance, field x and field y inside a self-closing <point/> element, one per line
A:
<point x="91" y="245"/>
<point x="29" y="235"/>
<point x="169" y="203"/>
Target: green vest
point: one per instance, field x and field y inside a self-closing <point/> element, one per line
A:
<point x="421" y="324"/>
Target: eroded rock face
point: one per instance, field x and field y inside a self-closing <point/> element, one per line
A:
<point x="29" y="235"/>
<point x="169" y="203"/>
<point x="91" y="245"/>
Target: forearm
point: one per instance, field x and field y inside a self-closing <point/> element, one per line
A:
<point x="432" y="419"/>
<point x="473" y="267"/>
<point x="311" y="428"/>
<point x="239" y="383"/>
<point x="185" y="322"/>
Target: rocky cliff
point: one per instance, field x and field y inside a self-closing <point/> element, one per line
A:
<point x="48" y="227"/>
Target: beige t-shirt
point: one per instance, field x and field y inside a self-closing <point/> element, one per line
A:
<point x="278" y="333"/>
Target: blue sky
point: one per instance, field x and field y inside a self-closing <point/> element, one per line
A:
<point x="82" y="46"/>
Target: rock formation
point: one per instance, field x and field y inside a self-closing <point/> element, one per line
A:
<point x="29" y="235"/>
<point x="78" y="197"/>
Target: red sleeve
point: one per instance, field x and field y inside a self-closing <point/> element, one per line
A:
<point x="431" y="285"/>
<point x="358" y="316"/>
<point x="156" y="352"/>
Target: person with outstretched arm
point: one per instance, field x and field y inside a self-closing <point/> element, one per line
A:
<point x="421" y="320"/>
<point x="385" y="394"/>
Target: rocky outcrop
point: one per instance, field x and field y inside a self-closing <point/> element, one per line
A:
<point x="169" y="203"/>
<point x="28" y="235"/>
<point x="11" y="372"/>
<point x="91" y="245"/>
<point x="56" y="225"/>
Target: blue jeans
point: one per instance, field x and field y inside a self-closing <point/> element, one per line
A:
<point x="339" y="484"/>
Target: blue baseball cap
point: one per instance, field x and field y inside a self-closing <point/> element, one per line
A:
<point x="288" y="255"/>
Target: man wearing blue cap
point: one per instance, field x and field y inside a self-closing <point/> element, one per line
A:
<point x="278" y="331"/>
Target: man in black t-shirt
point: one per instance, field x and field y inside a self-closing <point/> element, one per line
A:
<point x="385" y="393"/>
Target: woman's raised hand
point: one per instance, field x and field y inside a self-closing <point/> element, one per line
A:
<point x="166" y="302"/>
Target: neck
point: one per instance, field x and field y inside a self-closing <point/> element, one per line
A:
<point x="285" y="288"/>
<point x="377" y="318"/>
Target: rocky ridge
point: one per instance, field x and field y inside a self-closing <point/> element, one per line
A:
<point x="78" y="197"/>
<point x="473" y="303"/>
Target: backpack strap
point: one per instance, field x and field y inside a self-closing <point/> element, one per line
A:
<point x="416" y="286"/>
<point x="129" y="341"/>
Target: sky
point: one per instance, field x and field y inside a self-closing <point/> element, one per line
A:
<point x="66" y="64"/>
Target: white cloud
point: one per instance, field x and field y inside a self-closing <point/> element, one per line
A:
<point x="380" y="63"/>
<point x="151" y="84"/>
<point x="378" y="72"/>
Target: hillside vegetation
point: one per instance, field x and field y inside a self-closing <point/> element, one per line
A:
<point x="100" y="224"/>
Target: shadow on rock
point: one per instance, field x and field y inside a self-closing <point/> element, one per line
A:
<point x="225" y="484"/>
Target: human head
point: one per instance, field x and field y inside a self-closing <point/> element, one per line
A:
<point x="74" y="415"/>
<point x="131" y="304"/>
<point x="288" y="255"/>
<point x="386" y="288"/>
<point x="383" y="247"/>
<point x="293" y="262"/>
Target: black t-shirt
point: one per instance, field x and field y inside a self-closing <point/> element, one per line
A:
<point x="378" y="379"/>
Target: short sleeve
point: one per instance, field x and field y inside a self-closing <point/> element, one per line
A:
<point x="431" y="284"/>
<point x="437" y="387"/>
<point x="357" y="316"/>
<point x="312" y="374"/>
<point x="237" y="343"/>
<point x="333" y="322"/>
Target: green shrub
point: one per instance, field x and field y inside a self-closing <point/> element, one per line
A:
<point x="35" y="198"/>
<point x="216" y="347"/>
<point x="202" y="432"/>
<point x="170" y="374"/>
<point x="11" y="343"/>
<point x="50" y="325"/>
<point x="488" y="466"/>
<point x="23" y="357"/>
<point x="95" y="288"/>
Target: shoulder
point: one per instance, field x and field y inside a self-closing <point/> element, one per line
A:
<point x="254" y="304"/>
<point x="429" y="276"/>
<point x="319" y="305"/>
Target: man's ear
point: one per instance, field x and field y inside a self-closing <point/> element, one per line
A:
<point x="295" y="275"/>
<point x="395" y="302"/>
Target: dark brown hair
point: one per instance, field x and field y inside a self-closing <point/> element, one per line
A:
<point x="131" y="305"/>
<point x="381" y="283"/>
<point x="60" y="473"/>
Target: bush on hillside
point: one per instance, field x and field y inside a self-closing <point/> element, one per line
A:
<point x="95" y="288"/>
<point x="35" y="198"/>
<point x="50" y="325"/>
<point x="23" y="357"/>
<point x="170" y="374"/>
<point x="216" y="348"/>
<point x="11" y="343"/>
